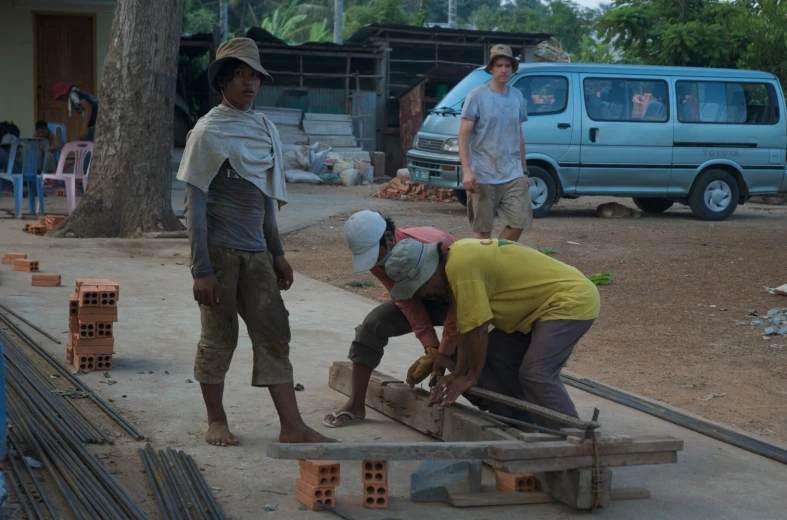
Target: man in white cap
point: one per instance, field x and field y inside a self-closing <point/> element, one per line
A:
<point x="370" y="238"/>
<point x="233" y="169"/>
<point x="516" y="289"/>
<point x="492" y="151"/>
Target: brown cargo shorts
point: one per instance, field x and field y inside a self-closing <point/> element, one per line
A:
<point x="248" y="288"/>
<point x="510" y="201"/>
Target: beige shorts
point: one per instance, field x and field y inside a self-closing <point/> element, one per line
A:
<point x="510" y="201"/>
<point x="248" y="288"/>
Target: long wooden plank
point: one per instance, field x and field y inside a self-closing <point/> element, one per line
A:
<point x="397" y="400"/>
<point x="496" y="498"/>
<point x="541" y="450"/>
<point x="564" y="463"/>
<point x="383" y="450"/>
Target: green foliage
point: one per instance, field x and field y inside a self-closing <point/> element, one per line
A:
<point x="359" y="284"/>
<point x="197" y="18"/>
<point x="766" y="28"/>
<point x="593" y="51"/>
<point x="320" y="32"/>
<point x="377" y="11"/>
<point x="601" y="278"/>
<point x="702" y="33"/>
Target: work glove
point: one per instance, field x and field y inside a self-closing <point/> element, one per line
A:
<point x="422" y="367"/>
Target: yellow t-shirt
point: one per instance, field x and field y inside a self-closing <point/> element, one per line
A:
<point x="513" y="286"/>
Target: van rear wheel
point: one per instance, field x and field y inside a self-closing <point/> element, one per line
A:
<point x="655" y="205"/>
<point x="714" y="195"/>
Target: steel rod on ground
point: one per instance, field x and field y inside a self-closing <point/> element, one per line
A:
<point x="57" y="365"/>
<point x="714" y="431"/>
<point x="181" y="492"/>
<point x="31" y="325"/>
<point x="514" y="422"/>
<point x="533" y="408"/>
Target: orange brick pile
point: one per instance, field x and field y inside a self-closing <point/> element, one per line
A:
<point x="47" y="222"/>
<point x="91" y="317"/>
<point x="401" y="188"/>
<point x="374" y="474"/>
<point x="11" y="258"/>
<point x="317" y="484"/>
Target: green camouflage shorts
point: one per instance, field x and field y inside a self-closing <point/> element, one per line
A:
<point x="248" y="288"/>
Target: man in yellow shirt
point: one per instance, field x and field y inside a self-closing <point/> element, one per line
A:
<point x="516" y="289"/>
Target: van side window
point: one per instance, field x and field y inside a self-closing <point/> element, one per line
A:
<point x="730" y="103"/>
<point x="544" y="94"/>
<point x="626" y="100"/>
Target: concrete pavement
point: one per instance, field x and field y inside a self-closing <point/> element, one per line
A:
<point x="158" y="332"/>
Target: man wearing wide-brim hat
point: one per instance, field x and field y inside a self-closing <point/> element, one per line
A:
<point x="492" y="151"/>
<point x="233" y="169"/>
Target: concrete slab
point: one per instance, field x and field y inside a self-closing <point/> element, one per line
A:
<point x="158" y="332"/>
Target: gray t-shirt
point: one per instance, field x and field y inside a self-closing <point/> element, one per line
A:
<point x="234" y="214"/>
<point x="494" y="141"/>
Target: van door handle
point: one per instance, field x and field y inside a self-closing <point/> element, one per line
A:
<point x="563" y="125"/>
<point x="593" y="135"/>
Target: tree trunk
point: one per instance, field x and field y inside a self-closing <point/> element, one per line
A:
<point x="130" y="186"/>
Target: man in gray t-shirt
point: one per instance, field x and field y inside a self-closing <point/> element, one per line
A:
<point x="492" y="151"/>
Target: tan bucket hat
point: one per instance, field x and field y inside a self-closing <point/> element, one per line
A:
<point x="243" y="49"/>
<point x="501" y="50"/>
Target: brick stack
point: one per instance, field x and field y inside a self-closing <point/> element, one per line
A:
<point x="92" y="313"/>
<point x="45" y="224"/>
<point x="514" y="483"/>
<point x="317" y="483"/>
<point x="26" y="265"/>
<point x="401" y="188"/>
<point x="9" y="258"/>
<point x="374" y="474"/>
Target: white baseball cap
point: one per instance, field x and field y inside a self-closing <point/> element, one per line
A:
<point x="363" y="232"/>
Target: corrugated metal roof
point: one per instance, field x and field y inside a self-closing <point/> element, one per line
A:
<point x="363" y="34"/>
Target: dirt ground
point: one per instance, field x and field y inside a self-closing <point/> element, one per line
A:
<point x="667" y="325"/>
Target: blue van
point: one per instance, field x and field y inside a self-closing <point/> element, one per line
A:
<point x="708" y="138"/>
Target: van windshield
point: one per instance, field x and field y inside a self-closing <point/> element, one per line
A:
<point x="452" y="102"/>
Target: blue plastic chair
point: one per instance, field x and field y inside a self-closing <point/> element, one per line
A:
<point x="62" y="138"/>
<point x="33" y="157"/>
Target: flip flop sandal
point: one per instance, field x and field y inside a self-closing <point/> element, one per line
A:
<point x="336" y="415"/>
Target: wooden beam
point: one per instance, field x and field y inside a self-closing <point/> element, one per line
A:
<point x="383" y="450"/>
<point x="411" y="408"/>
<point x="564" y="463"/>
<point x="496" y="498"/>
<point x="542" y="450"/>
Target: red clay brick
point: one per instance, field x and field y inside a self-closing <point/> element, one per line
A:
<point x="107" y="296"/>
<point x="92" y="350"/>
<point x="96" y="314"/>
<point x="73" y="324"/>
<point x="9" y="258"/>
<point x="311" y="503"/>
<point x="94" y="342"/>
<point x="98" y="282"/>
<point x="510" y="482"/>
<point x="104" y="330"/>
<point x="315" y="479"/>
<point x="87" y="329"/>
<point x="92" y="362"/>
<point x="374" y="472"/>
<point x="73" y="304"/>
<point x="26" y="265"/>
<point x="315" y="492"/>
<point x="88" y="296"/>
<point x="375" y="496"/>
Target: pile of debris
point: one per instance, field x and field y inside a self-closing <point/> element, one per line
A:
<point x="774" y="321"/>
<point x="47" y="222"/>
<point x="401" y="188"/>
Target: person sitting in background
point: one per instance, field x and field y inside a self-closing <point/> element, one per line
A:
<point x="84" y="103"/>
<point x="43" y="132"/>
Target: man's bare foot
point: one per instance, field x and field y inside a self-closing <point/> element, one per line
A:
<point x="219" y="435"/>
<point x="344" y="415"/>
<point x="306" y="435"/>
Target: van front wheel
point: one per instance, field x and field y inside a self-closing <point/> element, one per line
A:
<point x="543" y="191"/>
<point x="655" y="205"/>
<point x="714" y="195"/>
